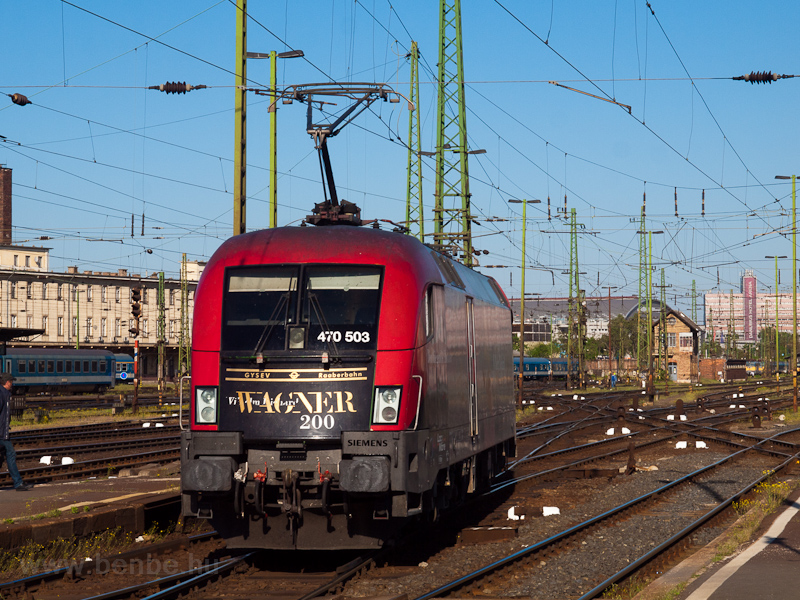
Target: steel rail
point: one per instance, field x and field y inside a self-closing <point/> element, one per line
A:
<point x="109" y="446"/>
<point x="680" y="536"/>
<point x="94" y="467"/>
<point x="551" y="541"/>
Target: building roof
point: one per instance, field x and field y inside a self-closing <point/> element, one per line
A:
<point x="537" y="309"/>
<point x="681" y="317"/>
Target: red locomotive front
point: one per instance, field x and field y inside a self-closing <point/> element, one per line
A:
<point x="337" y="387"/>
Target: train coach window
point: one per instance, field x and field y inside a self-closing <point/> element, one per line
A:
<point x="41" y="366"/>
<point x="21" y="366"/>
<point x="59" y="366"/>
<point x="68" y="366"/>
<point x="31" y="366"/>
<point x="77" y="366"/>
<point x="340" y="304"/>
<point x="429" y="313"/>
<point x="51" y="366"/>
<point x="102" y="366"/>
<point x="86" y="366"/>
<point x="259" y="303"/>
<point x="94" y="366"/>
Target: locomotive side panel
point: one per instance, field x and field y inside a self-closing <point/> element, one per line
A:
<point x="496" y="405"/>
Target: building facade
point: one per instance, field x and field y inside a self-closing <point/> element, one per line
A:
<point x="682" y="347"/>
<point x="90" y="309"/>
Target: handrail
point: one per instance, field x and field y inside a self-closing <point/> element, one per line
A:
<point x="180" y="401"/>
<point x="419" y="400"/>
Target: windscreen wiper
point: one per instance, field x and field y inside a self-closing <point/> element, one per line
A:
<point x="333" y="352"/>
<point x="270" y="326"/>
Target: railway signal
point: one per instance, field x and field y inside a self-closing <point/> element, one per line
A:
<point x="136" y="310"/>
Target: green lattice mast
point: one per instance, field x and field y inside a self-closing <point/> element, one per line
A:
<point x="641" y="329"/>
<point x="452" y="218"/>
<point x="576" y="319"/>
<point x="414" y="213"/>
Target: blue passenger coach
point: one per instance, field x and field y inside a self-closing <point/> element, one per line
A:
<point x="533" y="368"/>
<point x="58" y="370"/>
<point x="124" y="368"/>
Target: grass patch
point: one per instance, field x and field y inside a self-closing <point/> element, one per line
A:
<point x="82" y="416"/>
<point x="628" y="589"/>
<point x="35" y="558"/>
<point x="789" y="417"/>
<point x="766" y="499"/>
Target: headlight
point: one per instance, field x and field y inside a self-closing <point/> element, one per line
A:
<point x="205" y="405"/>
<point x="385" y="409"/>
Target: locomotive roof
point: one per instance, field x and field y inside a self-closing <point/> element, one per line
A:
<point x="357" y="245"/>
<point x="409" y="267"/>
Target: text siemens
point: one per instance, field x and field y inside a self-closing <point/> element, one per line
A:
<point x="367" y="443"/>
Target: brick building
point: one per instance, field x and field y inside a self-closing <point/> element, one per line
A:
<point x="682" y="346"/>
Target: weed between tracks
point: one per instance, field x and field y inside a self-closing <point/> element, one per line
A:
<point x="35" y="558"/>
<point x="628" y="589"/>
<point x="75" y="416"/>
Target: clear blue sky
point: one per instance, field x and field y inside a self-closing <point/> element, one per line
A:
<point x="95" y="146"/>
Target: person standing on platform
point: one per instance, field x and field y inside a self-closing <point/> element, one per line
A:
<point x="6" y="447"/>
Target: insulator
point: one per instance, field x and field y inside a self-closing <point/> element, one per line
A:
<point x="676" y="201"/>
<point x="19" y="99"/>
<point x="172" y="87"/>
<point x="761" y="77"/>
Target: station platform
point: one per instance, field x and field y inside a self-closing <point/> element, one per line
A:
<point x="76" y="508"/>
<point x="768" y="568"/>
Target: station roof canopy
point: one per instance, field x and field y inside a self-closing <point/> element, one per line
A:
<point x="8" y="334"/>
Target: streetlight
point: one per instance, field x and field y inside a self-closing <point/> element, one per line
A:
<point x="273" y="127"/>
<point x="777" y="334"/>
<point x="522" y="295"/>
<point x="794" y="288"/>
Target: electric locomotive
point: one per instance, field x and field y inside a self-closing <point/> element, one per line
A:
<point x="344" y="381"/>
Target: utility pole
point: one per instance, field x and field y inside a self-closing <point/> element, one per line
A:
<point x="77" y="318"/>
<point x="729" y="337"/>
<point x="694" y="302"/>
<point x="240" y="123"/>
<point x="162" y="337"/>
<point x="414" y="213"/>
<point x="794" y="283"/>
<point x="609" y="288"/>
<point x="184" y="355"/>
<point x="136" y="313"/>
<point x="522" y="297"/>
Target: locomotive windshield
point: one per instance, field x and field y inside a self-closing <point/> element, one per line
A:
<point x="266" y="310"/>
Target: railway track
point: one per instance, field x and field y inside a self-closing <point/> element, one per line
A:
<point x="45" y="441"/>
<point x="96" y="467"/>
<point x="677" y="510"/>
